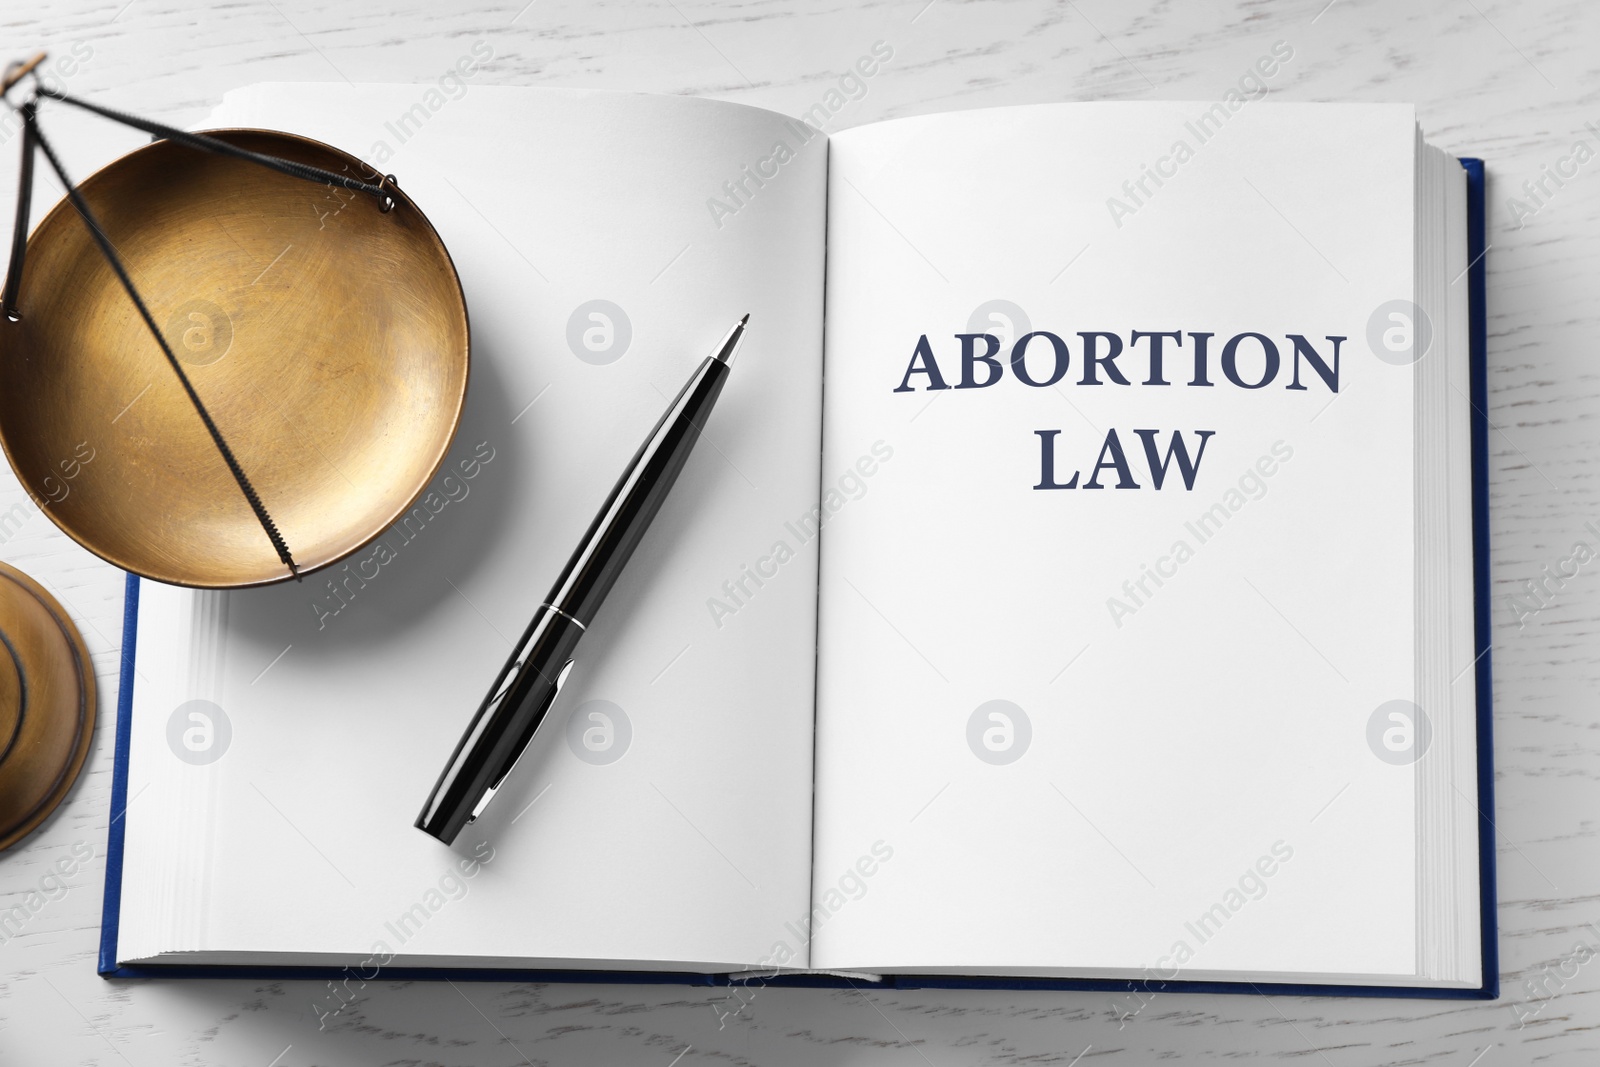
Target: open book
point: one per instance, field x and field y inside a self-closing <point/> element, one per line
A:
<point x="1074" y="584"/>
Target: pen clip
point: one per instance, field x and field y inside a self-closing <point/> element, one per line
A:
<point x="488" y="794"/>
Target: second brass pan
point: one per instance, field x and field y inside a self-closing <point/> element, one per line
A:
<point x="327" y="338"/>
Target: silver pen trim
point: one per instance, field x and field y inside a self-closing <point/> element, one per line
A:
<point x="567" y="616"/>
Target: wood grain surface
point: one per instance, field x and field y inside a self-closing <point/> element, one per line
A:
<point x="1515" y="83"/>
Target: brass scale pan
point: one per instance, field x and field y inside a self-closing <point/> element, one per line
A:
<point x="324" y="332"/>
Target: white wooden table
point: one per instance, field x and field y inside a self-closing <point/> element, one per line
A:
<point x="1514" y="83"/>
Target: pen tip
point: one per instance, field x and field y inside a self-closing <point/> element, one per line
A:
<point x="730" y="344"/>
<point x="746" y="320"/>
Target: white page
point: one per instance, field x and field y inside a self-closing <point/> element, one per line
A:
<point x="1220" y="725"/>
<point x="694" y="846"/>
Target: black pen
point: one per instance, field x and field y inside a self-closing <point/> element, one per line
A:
<point x="527" y="685"/>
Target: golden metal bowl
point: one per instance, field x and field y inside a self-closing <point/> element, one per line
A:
<point x="327" y="338"/>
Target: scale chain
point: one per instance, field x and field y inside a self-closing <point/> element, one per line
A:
<point x="115" y="261"/>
